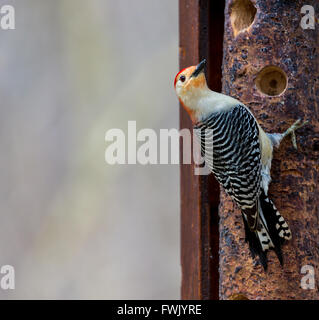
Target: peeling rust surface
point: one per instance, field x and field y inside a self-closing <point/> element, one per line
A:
<point x="276" y="38"/>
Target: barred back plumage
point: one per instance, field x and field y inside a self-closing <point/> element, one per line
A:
<point x="231" y="148"/>
<point x="230" y="143"/>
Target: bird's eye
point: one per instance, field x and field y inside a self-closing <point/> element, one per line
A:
<point x="182" y="78"/>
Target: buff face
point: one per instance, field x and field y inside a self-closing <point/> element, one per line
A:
<point x="185" y="83"/>
<point x="190" y="88"/>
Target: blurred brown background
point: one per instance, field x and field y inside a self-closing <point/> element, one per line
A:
<point x="72" y="225"/>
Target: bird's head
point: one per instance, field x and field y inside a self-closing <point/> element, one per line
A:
<point x="190" y="86"/>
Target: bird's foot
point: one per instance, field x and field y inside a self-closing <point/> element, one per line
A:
<point x="291" y="131"/>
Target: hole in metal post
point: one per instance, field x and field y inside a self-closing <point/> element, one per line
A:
<point x="242" y="15"/>
<point x="271" y="81"/>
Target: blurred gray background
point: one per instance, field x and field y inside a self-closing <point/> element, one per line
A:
<point x="72" y="225"/>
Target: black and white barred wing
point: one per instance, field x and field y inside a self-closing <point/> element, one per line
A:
<point x="230" y="144"/>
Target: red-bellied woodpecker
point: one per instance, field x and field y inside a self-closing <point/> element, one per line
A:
<point x="239" y="153"/>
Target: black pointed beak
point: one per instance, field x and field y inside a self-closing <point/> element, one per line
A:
<point x="199" y="69"/>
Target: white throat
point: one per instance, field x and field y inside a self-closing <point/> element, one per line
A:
<point x="204" y="101"/>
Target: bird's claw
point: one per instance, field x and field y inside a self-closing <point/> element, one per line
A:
<point x="291" y="131"/>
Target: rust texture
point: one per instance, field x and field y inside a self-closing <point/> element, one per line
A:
<point x="201" y="36"/>
<point x="276" y="38"/>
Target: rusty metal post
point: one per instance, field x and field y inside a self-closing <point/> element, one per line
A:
<point x="271" y="65"/>
<point x="201" y="36"/>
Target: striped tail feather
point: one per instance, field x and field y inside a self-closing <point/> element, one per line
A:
<point x="273" y="230"/>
